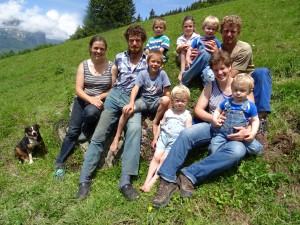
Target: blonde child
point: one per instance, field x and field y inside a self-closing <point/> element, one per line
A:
<point x="184" y="41"/>
<point x="239" y="112"/>
<point x="173" y="122"/>
<point x="160" y="41"/>
<point x="154" y="86"/>
<point x="199" y="65"/>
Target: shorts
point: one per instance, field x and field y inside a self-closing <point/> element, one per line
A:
<point x="143" y="105"/>
<point x="165" y="142"/>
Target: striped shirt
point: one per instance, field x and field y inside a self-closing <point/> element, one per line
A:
<point x="126" y="76"/>
<point x="216" y="97"/>
<point x="96" y="85"/>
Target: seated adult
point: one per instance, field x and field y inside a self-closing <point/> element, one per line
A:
<point x="127" y="65"/>
<point x="242" y="62"/>
<point x="93" y="81"/>
<point x="199" y="135"/>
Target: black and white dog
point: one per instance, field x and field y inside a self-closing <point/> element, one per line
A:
<point x="29" y="143"/>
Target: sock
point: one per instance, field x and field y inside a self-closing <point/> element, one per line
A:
<point x="125" y="179"/>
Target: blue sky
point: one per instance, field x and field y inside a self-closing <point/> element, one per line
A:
<point x="60" y="18"/>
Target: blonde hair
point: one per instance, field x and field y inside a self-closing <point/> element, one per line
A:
<point x="232" y="21"/>
<point x="211" y="20"/>
<point x="159" y="20"/>
<point x="155" y="52"/>
<point x="245" y="79"/>
<point x="180" y="91"/>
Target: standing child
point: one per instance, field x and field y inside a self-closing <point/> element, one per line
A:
<point x="160" y="41"/>
<point x="173" y="122"/>
<point x="155" y="95"/>
<point x="199" y="66"/>
<point x="184" y="41"/>
<point x="239" y="112"/>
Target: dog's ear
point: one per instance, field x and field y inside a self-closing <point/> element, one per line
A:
<point x="36" y="126"/>
<point x="27" y="129"/>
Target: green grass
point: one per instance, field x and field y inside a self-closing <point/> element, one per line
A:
<point x="38" y="87"/>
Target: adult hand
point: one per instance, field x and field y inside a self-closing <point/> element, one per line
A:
<point x="239" y="136"/>
<point x="249" y="136"/>
<point x="211" y="46"/>
<point x="96" y="101"/>
<point x="194" y="53"/>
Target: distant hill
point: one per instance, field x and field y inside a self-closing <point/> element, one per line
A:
<point x="15" y="40"/>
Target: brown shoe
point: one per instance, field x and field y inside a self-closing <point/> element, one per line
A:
<point x="164" y="193"/>
<point x="186" y="187"/>
<point x="262" y="133"/>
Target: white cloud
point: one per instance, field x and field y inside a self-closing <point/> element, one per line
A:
<point x="54" y="24"/>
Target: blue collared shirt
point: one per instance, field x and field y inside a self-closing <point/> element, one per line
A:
<point x="126" y="76"/>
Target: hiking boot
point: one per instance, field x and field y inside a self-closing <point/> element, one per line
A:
<point x="129" y="192"/>
<point x="186" y="187"/>
<point x="59" y="174"/>
<point x="262" y="133"/>
<point x="84" y="190"/>
<point x="164" y="193"/>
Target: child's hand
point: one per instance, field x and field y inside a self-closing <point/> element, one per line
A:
<point x="128" y="109"/>
<point x="153" y="144"/>
<point x="185" y="46"/>
<point x="218" y="122"/>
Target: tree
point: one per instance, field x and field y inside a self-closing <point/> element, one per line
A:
<point x="152" y="14"/>
<point x="102" y="15"/>
<point x="139" y="18"/>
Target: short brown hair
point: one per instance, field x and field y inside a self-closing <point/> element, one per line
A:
<point x="220" y="56"/>
<point x="155" y="52"/>
<point x="232" y="21"/>
<point x="135" y="29"/>
<point x="159" y="20"/>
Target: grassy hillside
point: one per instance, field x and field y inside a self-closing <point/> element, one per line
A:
<point x="38" y="87"/>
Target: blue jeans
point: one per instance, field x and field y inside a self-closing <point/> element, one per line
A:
<point x="262" y="89"/>
<point x="114" y="103"/>
<point x="199" y="135"/>
<point x="81" y="113"/>
<point x="199" y="67"/>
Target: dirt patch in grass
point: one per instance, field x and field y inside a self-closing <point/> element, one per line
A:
<point x="283" y="144"/>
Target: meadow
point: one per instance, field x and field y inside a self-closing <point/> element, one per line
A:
<point x="38" y="87"/>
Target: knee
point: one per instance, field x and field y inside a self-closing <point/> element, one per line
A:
<point x="261" y="75"/>
<point x="238" y="151"/>
<point x="164" y="101"/>
<point x="91" y="113"/>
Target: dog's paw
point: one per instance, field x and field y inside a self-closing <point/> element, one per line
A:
<point x="30" y="162"/>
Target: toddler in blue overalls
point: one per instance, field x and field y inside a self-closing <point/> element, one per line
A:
<point x="239" y="112"/>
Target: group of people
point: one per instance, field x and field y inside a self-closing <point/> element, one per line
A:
<point x="230" y="113"/>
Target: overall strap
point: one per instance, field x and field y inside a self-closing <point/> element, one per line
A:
<point x="227" y="106"/>
<point x="245" y="105"/>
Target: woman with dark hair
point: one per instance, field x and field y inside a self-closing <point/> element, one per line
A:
<point x="93" y="82"/>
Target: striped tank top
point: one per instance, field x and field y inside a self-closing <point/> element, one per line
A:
<point x="96" y="85"/>
<point x="216" y="97"/>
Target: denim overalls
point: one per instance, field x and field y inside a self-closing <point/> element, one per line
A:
<point x="234" y="118"/>
<point x="171" y="129"/>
